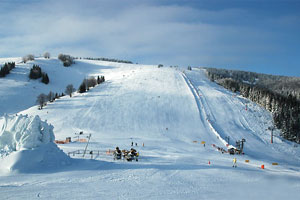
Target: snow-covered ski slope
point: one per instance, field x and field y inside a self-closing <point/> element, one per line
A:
<point x="234" y="117"/>
<point x="18" y="92"/>
<point x="170" y="112"/>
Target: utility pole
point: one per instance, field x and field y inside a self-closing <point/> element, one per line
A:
<point x="87" y="144"/>
<point x="271" y="128"/>
<point x="242" y="148"/>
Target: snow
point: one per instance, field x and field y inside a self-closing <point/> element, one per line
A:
<point x="24" y="138"/>
<point x="23" y="132"/>
<point x="169" y="111"/>
<point x="18" y="92"/>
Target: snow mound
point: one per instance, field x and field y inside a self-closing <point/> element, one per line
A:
<point x="26" y="145"/>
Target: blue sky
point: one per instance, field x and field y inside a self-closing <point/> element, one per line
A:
<point x="251" y="35"/>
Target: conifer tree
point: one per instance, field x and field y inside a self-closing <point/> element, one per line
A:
<point x="45" y="78"/>
<point x="82" y="87"/>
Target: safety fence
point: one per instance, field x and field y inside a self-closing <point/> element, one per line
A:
<point x="92" y="153"/>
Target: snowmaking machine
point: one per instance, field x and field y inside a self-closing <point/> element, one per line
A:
<point x="130" y="155"/>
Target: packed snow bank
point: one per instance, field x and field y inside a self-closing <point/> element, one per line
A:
<point x="26" y="145"/>
<point x="23" y="132"/>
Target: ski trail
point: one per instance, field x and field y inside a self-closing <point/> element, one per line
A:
<point x="196" y="96"/>
<point x="203" y="108"/>
<point x="234" y="122"/>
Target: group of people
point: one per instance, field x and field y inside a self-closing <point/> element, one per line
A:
<point x="125" y="154"/>
<point x="132" y="144"/>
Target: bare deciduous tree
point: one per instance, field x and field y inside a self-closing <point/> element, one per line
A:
<point x="28" y="58"/>
<point x="70" y="89"/>
<point x="66" y="59"/>
<point x="91" y="82"/>
<point x="41" y="100"/>
<point x="47" y="55"/>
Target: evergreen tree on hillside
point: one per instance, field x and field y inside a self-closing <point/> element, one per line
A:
<point x="35" y="72"/>
<point x="2" y="74"/>
<point x="45" y="78"/>
<point x="100" y="79"/>
<point x="7" y="67"/>
<point x="5" y="70"/>
<point x="284" y="106"/>
<point x="82" y="87"/>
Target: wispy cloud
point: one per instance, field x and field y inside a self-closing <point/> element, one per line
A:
<point x="170" y="33"/>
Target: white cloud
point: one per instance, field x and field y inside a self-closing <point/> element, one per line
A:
<point x="142" y="32"/>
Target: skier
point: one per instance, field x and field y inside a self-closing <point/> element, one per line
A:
<point x="234" y="162"/>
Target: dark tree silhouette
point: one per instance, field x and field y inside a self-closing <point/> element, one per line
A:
<point x="45" y="78"/>
<point x="70" y="89"/>
<point x="82" y="87"/>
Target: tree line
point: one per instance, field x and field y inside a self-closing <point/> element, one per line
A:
<point x="42" y="99"/>
<point x="283" y="85"/>
<point x="90" y="82"/>
<point x="7" y="67"/>
<point x="107" y="59"/>
<point x="284" y="106"/>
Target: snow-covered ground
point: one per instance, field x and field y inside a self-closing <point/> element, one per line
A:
<point x="169" y="111"/>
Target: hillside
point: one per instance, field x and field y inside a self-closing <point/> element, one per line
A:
<point x="18" y="92"/>
<point x="168" y="112"/>
<point x="282" y="85"/>
<point x="278" y="94"/>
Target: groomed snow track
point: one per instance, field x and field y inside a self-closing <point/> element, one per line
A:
<point x="203" y="110"/>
